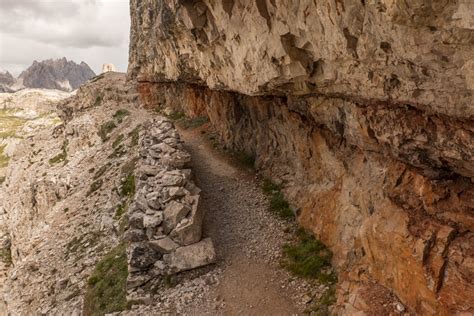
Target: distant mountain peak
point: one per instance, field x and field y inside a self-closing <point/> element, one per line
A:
<point x="59" y="74"/>
<point x="6" y="80"/>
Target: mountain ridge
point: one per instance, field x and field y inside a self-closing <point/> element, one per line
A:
<point x="60" y="74"/>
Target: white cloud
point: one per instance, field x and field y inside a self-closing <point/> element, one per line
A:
<point x="94" y="31"/>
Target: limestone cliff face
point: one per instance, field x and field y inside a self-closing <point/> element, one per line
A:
<point x="362" y="109"/>
<point x="419" y="53"/>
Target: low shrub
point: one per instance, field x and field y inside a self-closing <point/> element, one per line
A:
<point x="278" y="204"/>
<point x="135" y="136"/>
<point x="105" y="129"/>
<point x="309" y="258"/>
<point x="107" y="286"/>
<point x="118" y="140"/>
<point x="128" y="186"/>
<point x="62" y="157"/>
<point x="121" y="114"/>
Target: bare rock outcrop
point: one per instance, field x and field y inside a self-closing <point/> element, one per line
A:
<point x="6" y="80"/>
<point x="59" y="201"/>
<point x="105" y="177"/>
<point x="361" y="109"/>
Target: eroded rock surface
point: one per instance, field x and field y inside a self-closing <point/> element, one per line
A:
<point x="105" y="175"/>
<point x="361" y="109"/>
<point x="419" y="53"/>
<point x="59" y="201"/>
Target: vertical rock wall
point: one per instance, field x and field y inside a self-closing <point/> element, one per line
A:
<point x="362" y="109"/>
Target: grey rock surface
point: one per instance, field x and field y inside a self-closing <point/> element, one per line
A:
<point x="60" y="74"/>
<point x="192" y="256"/>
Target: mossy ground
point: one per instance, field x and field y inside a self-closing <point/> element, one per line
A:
<point x="128" y="186"/>
<point x="118" y="140"/>
<point x="105" y="129"/>
<point x="119" y="115"/>
<point x="243" y="158"/>
<point x="309" y="258"/>
<point x="135" y="136"/>
<point x="175" y="116"/>
<point x="10" y="124"/>
<point x="3" y="157"/>
<point x="6" y="256"/>
<point x="278" y="204"/>
<point x="78" y="245"/>
<point x="106" y="288"/>
<point x="62" y="157"/>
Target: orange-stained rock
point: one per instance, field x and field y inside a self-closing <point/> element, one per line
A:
<point x="361" y="109"/>
<point x="391" y="220"/>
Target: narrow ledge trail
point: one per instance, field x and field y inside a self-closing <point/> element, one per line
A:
<point x="247" y="237"/>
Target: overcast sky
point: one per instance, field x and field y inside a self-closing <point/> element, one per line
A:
<point x="93" y="31"/>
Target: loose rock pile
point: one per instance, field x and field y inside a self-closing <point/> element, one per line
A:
<point x="165" y="220"/>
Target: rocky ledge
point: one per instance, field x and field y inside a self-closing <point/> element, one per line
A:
<point x="361" y="110"/>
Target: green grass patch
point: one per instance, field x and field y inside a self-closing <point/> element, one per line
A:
<point x="309" y="258"/>
<point x="177" y="115"/>
<point x="118" y="152"/>
<point x="135" y="136"/>
<point x="62" y="157"/>
<point x="244" y="159"/>
<point x="78" y="246"/>
<point x="98" y="100"/>
<point x="127" y="188"/>
<point x="278" y="204"/>
<point x="269" y="187"/>
<point x="105" y="129"/>
<point x="121" y="114"/>
<point x="118" y="140"/>
<point x="9" y="123"/>
<point x="6" y="256"/>
<point x="321" y="306"/>
<point x="120" y="210"/>
<point x="107" y="286"/>
<point x="3" y="157"/>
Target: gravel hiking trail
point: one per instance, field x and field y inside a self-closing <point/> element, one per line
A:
<point x="247" y="237"/>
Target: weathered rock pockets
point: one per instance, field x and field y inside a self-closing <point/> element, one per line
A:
<point x="64" y="202"/>
<point x="164" y="218"/>
<point x="58" y="204"/>
<point x="362" y="110"/>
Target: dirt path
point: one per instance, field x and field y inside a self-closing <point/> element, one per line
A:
<point x="247" y="238"/>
